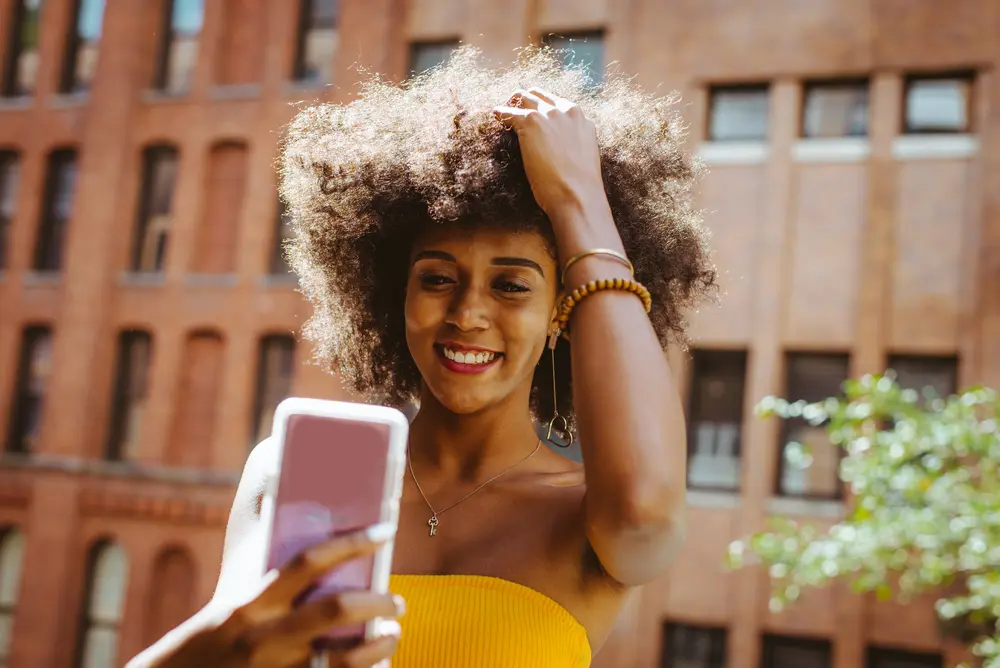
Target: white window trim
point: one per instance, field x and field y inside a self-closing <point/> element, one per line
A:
<point x="827" y="150"/>
<point x="944" y="146"/>
<point x="734" y="152"/>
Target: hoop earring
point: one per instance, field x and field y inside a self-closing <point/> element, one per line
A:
<point x="568" y="436"/>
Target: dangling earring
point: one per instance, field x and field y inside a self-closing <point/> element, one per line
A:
<point x="568" y="436"/>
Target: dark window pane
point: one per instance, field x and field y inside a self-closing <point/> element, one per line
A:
<point x="738" y="113"/>
<point x="21" y="68"/>
<point x="155" y="203"/>
<point x="275" y="369"/>
<point x="933" y="375"/>
<point x="693" y="647"/>
<point x="938" y="104"/>
<point x="82" y="46"/>
<point x="282" y="233"/>
<point x="811" y="377"/>
<point x="581" y="50"/>
<point x="130" y="394"/>
<point x="886" y="658"/>
<point x="836" y="110"/>
<point x="317" y="41"/>
<point x="180" y="49"/>
<point x="783" y="652"/>
<point x="34" y="370"/>
<point x="716" y="416"/>
<point x="57" y="209"/>
<point x="10" y="171"/>
<point x="427" y="55"/>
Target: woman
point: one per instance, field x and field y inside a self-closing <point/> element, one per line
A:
<point x="441" y="239"/>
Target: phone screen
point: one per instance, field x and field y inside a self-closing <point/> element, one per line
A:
<point x="332" y="481"/>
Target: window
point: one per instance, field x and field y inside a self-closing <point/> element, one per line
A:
<point x="60" y="186"/>
<point x="275" y="366"/>
<point x="887" y="658"/>
<point x="716" y="416"/>
<point x="21" y="69"/>
<point x="10" y="172"/>
<point x="215" y="252"/>
<point x="738" y="113"/>
<point x="282" y="233"/>
<point x="317" y="41"/>
<point x="172" y="598"/>
<point x="104" y="604"/>
<point x="923" y="373"/>
<point x="785" y="652"/>
<point x="81" y="47"/>
<point x="811" y="377"/>
<point x="131" y="389"/>
<point x="428" y="55"/>
<point x="939" y="104"/>
<point x="11" y="559"/>
<point x="835" y="109"/>
<point x="581" y="50"/>
<point x="33" y="372"/>
<point x="693" y="647"/>
<point x="159" y="172"/>
<point x="179" y="50"/>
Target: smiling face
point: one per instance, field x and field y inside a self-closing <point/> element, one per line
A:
<point x="478" y="309"/>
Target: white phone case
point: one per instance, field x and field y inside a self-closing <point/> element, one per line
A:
<point x="394" y="471"/>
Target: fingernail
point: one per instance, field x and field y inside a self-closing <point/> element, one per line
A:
<point x="400" y="604"/>
<point x="380" y="533"/>
<point x="388" y="627"/>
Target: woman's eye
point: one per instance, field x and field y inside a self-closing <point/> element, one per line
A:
<point x="434" y="280"/>
<point x="511" y="286"/>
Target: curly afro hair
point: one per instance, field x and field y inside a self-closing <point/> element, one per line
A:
<point x="361" y="180"/>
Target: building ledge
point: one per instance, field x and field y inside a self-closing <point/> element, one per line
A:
<point x="142" y="278"/>
<point x="931" y="147"/>
<point x="224" y="280"/>
<point x="279" y="281"/>
<point x="68" y="100"/>
<point x="123" y="470"/>
<point x="41" y="278"/>
<point x="243" y="91"/>
<point x="703" y="498"/>
<point x="734" y="152"/>
<point x="795" y="507"/>
<point x="840" y="149"/>
<point x="16" y="103"/>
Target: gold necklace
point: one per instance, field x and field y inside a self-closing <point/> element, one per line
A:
<point x="433" y="521"/>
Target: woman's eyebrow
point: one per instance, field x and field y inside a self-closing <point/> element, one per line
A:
<point x="518" y="262"/>
<point x="434" y="255"/>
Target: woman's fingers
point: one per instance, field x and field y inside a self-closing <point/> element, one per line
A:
<point x="346" y="609"/>
<point x="303" y="570"/>
<point x="545" y="96"/>
<point x="526" y="99"/>
<point x="367" y="655"/>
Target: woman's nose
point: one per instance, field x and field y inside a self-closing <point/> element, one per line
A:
<point x="469" y="311"/>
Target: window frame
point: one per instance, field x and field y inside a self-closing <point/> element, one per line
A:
<point x="950" y="361"/>
<point x="69" y="82"/>
<point x="9" y="609"/>
<point x="145" y="214"/>
<point x="278" y="266"/>
<point x="123" y="396"/>
<point x="738" y="357"/>
<point x="718" y="638"/>
<point x="844" y="82"/>
<point x="304" y="26"/>
<point x="21" y="396"/>
<point x="161" y="78"/>
<point x="10" y="169"/>
<point x="51" y="231"/>
<point x="582" y="36"/>
<point x="966" y="75"/>
<point x="11" y="86"/>
<point x="85" y="618"/>
<point x="262" y="379"/>
<point x="415" y="46"/>
<point x="788" y="426"/>
<point x="714" y="89"/>
<point x="770" y="642"/>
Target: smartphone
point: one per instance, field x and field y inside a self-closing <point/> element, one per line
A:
<point x="340" y="470"/>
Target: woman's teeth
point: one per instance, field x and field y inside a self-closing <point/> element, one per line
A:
<point x="469" y="357"/>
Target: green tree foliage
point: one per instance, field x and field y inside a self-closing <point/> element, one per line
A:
<point x="923" y="475"/>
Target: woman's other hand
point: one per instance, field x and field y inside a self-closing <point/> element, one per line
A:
<point x="269" y="631"/>
<point x="559" y="149"/>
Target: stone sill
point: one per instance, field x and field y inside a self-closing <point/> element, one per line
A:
<point x="224" y="280"/>
<point x="940" y="147"/>
<point x="152" y="279"/>
<point x="797" y="507"/>
<point x="838" y="150"/>
<point x="734" y="152"/>
<point x="68" y="100"/>
<point x="122" y="470"/>
<point x="703" y="498"/>
<point x="247" y="91"/>
<point x="41" y="278"/>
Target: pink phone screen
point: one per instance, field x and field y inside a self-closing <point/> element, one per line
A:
<point x="332" y="481"/>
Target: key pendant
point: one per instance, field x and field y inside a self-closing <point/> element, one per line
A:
<point x="433" y="524"/>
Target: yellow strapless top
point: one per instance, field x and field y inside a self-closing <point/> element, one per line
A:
<point x="475" y="621"/>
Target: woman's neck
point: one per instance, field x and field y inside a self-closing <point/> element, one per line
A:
<point x="470" y="447"/>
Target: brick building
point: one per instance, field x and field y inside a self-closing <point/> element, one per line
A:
<point x="146" y="317"/>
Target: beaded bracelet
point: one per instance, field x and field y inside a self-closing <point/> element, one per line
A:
<point x="571" y="300"/>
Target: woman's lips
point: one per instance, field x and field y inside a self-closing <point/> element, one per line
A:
<point x="460" y="367"/>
